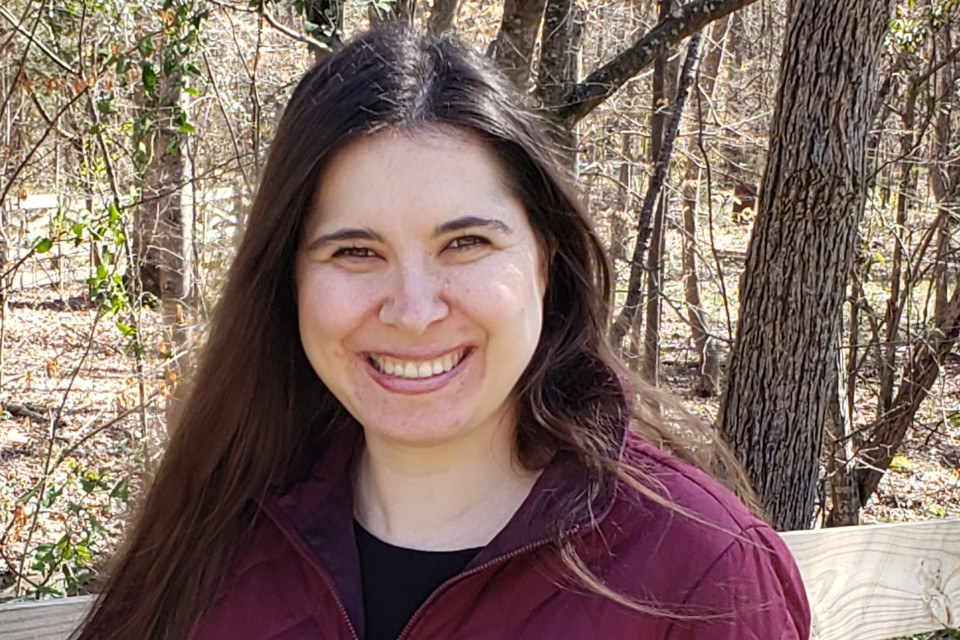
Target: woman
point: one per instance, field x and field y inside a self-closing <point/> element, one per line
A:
<point x="407" y="422"/>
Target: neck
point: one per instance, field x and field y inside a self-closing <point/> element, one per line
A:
<point x="440" y="498"/>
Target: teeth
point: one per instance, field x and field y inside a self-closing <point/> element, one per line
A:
<point x="416" y="369"/>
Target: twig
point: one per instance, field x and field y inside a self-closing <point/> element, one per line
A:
<point x="54" y="425"/>
<point x="31" y="36"/>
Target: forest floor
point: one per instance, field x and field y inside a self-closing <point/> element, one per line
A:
<point x="65" y="490"/>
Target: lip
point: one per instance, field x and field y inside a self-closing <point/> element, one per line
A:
<point x="416" y="386"/>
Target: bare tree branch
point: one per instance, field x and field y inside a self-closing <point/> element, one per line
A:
<point x="602" y="83"/>
<point x="30" y="36"/>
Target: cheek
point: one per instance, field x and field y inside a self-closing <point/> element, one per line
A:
<point x="508" y="298"/>
<point x="329" y="311"/>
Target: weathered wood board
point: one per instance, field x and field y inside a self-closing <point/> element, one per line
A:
<point x="880" y="581"/>
<point x="45" y="620"/>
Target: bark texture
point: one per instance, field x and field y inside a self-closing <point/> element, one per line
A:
<point x="559" y="68"/>
<point x="517" y="38"/>
<point x="800" y="254"/>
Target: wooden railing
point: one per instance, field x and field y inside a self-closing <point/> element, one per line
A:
<point x="864" y="583"/>
<point x="880" y="581"/>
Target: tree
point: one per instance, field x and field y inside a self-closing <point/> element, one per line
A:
<point x="516" y="40"/>
<point x="800" y="254"/>
<point x="708" y="357"/>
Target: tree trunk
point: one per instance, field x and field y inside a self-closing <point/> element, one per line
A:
<point x="844" y="497"/>
<point x="442" y="15"/>
<point x="402" y="10"/>
<point x="160" y="240"/>
<point x="644" y="227"/>
<point x="800" y="254"/>
<point x="708" y="357"/>
<point x="618" y="226"/>
<point x="945" y="173"/>
<point x="560" y="62"/>
<point x="517" y="38"/>
<point x="651" y="329"/>
<point x="663" y="94"/>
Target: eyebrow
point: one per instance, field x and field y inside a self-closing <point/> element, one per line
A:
<point x="340" y="235"/>
<point x="459" y="224"/>
<point x="363" y="233"/>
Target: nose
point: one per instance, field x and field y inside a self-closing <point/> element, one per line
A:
<point x="415" y="301"/>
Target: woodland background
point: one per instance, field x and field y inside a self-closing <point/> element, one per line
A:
<point x="778" y="183"/>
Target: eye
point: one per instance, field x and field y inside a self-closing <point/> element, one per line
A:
<point x="467" y="242"/>
<point x="354" y="252"/>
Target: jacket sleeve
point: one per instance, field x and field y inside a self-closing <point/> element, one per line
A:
<point x="753" y="591"/>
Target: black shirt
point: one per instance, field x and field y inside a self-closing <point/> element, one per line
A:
<point x="396" y="581"/>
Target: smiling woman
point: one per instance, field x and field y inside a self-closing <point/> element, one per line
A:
<point x="407" y="422"/>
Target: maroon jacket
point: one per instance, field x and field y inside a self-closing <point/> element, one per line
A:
<point x="297" y="577"/>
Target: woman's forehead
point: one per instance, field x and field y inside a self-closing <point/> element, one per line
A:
<point x="420" y="175"/>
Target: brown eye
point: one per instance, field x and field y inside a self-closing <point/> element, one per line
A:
<point x="467" y="242"/>
<point x="354" y="252"/>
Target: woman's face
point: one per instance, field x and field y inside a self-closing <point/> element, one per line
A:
<point x="420" y="287"/>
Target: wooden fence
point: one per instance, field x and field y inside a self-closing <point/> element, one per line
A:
<point x="864" y="583"/>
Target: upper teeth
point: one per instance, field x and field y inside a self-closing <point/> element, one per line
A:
<point x="416" y="368"/>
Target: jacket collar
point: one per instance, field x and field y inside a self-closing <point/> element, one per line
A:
<point x="316" y="515"/>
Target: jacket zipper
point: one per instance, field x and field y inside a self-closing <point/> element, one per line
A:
<point x="418" y="614"/>
<point x="336" y="598"/>
<point x="327" y="580"/>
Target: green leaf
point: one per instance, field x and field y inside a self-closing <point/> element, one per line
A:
<point x="43" y="245"/>
<point x="141" y="155"/>
<point x="121" y="490"/>
<point x="105" y="105"/>
<point x="145" y="46"/>
<point x="149" y="76"/>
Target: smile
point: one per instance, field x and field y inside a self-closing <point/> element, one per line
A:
<point x="416" y="369"/>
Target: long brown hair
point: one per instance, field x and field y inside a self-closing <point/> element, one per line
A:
<point x="256" y="403"/>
